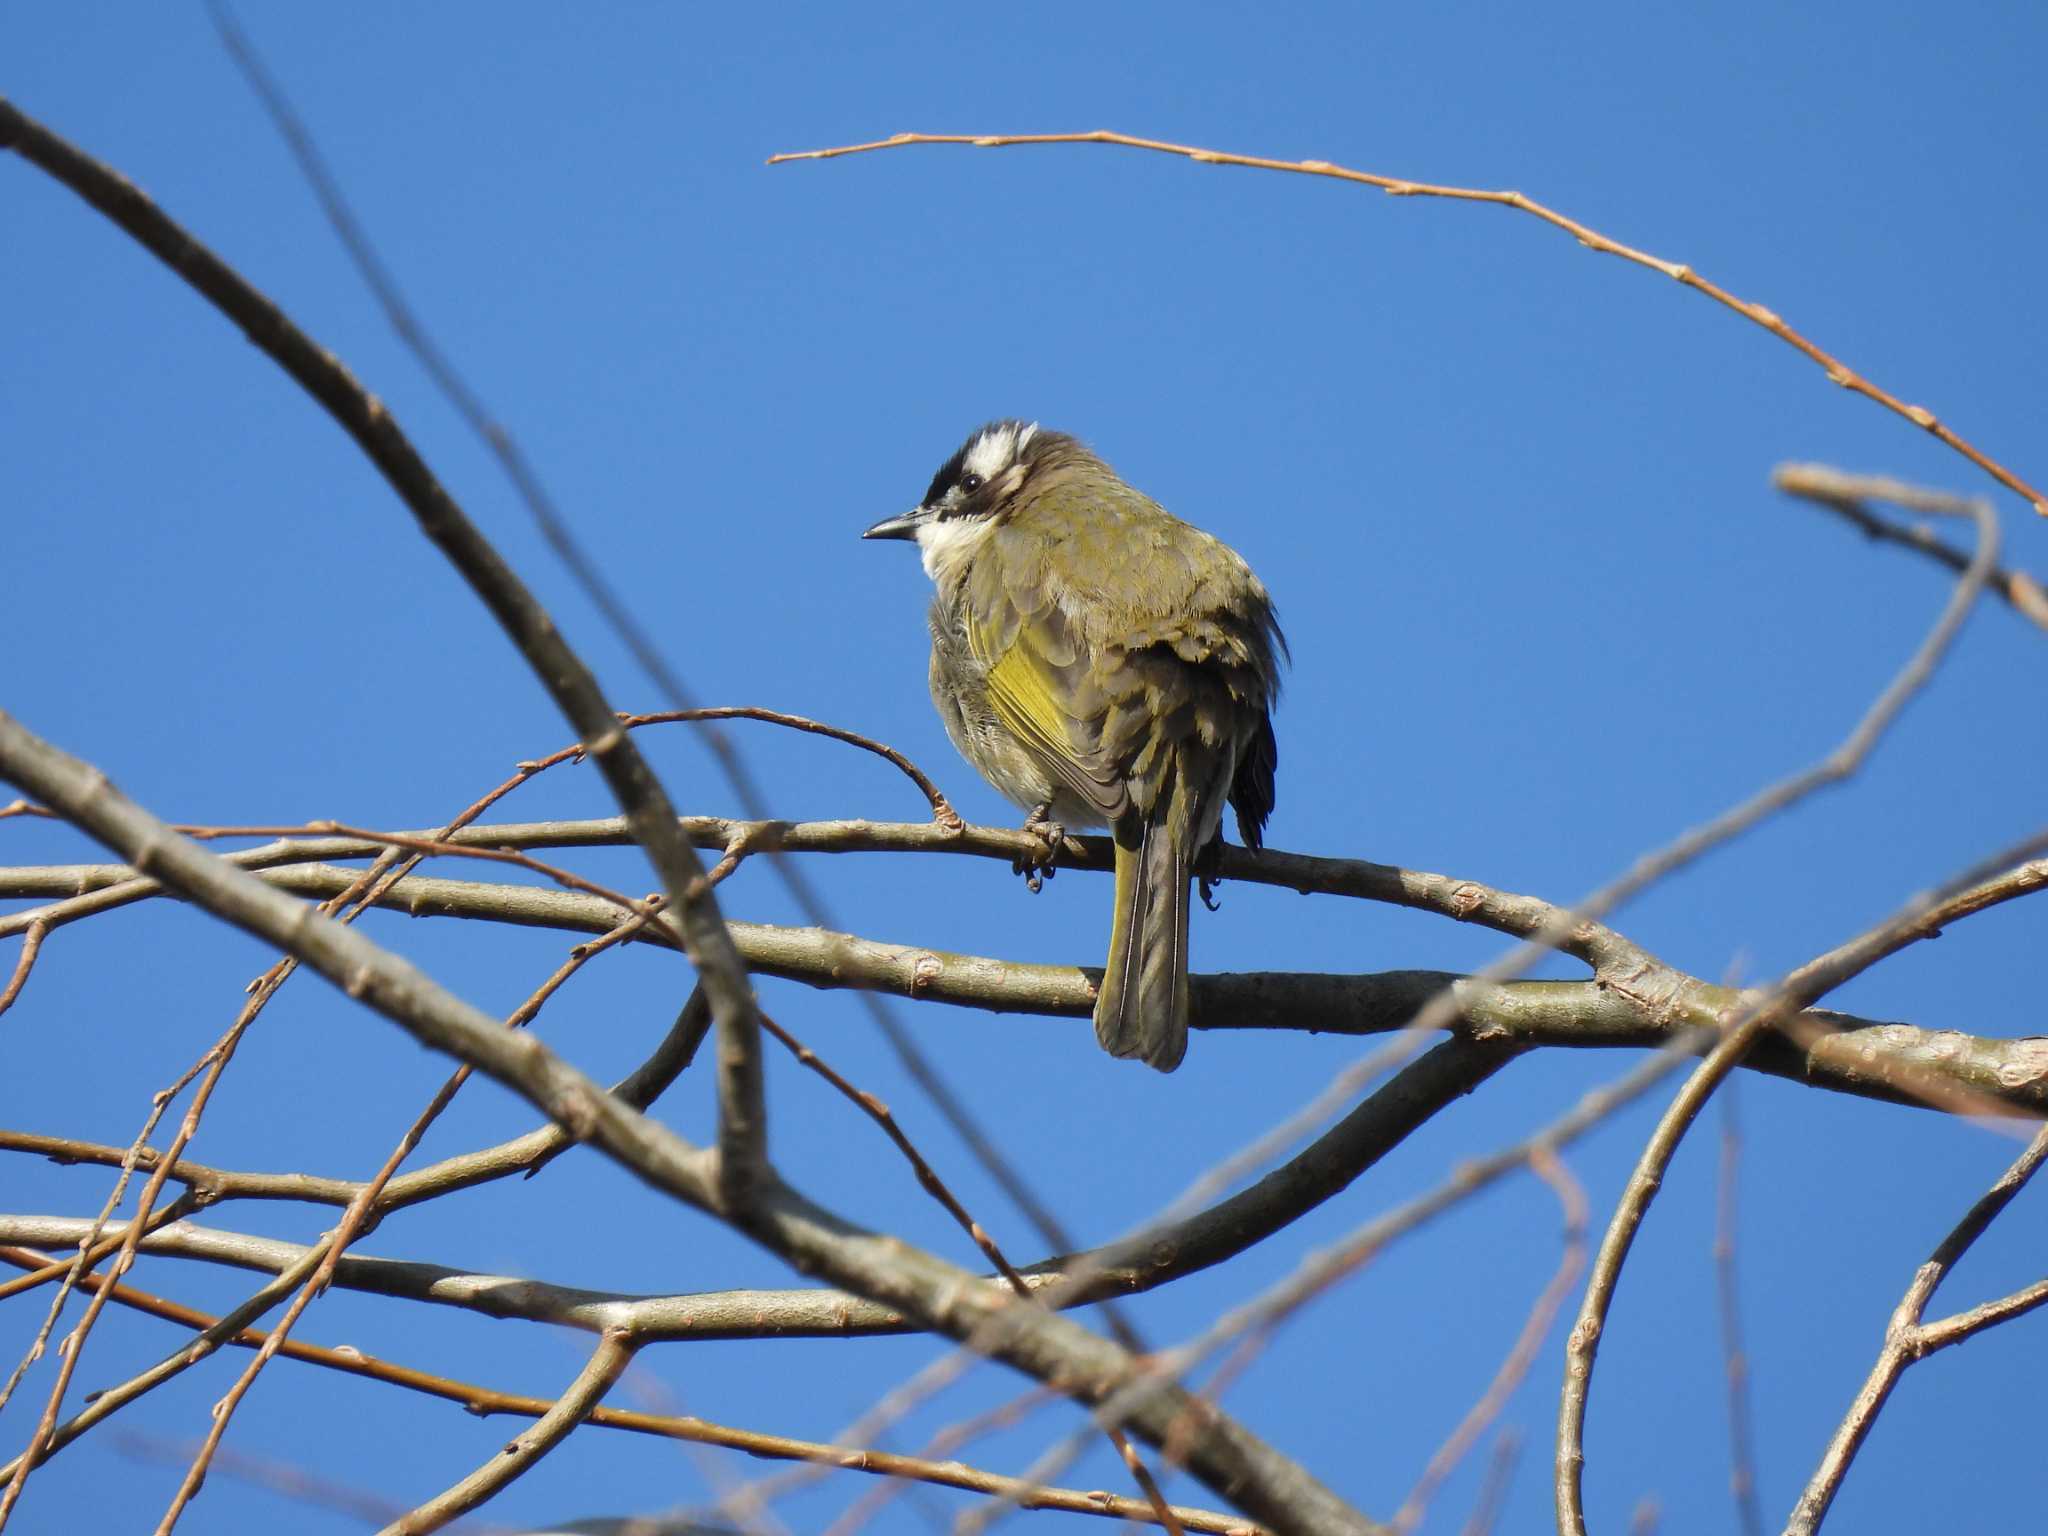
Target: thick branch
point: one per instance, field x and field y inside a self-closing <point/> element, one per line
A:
<point x="96" y="887"/>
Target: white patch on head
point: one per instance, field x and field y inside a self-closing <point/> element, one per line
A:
<point x="992" y="452"/>
<point x="945" y="542"/>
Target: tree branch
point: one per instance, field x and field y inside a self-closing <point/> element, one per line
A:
<point x="1838" y="372"/>
<point x="1908" y="1339"/>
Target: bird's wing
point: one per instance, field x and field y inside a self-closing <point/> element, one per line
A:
<point x="1040" y="685"/>
<point x="1115" y="705"/>
<point x="1039" y="688"/>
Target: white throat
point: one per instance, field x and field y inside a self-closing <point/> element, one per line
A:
<point x="947" y="543"/>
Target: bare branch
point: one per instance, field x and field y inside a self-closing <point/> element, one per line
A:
<point x="1872" y="1058"/>
<point x="1838" y="372"/>
<point x="1848" y="497"/>
<point x="31" y="945"/>
<point x="1908" y="1339"/>
<point x="607" y="1362"/>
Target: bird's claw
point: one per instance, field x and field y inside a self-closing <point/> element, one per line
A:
<point x="1207" y="863"/>
<point x="1037" y="869"/>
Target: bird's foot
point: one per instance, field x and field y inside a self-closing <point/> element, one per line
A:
<point x="1207" y="862"/>
<point x="1038" y="868"/>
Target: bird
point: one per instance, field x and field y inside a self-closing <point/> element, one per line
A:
<point x="1102" y="664"/>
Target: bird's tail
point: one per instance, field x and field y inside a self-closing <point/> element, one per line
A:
<point x="1141" y="1008"/>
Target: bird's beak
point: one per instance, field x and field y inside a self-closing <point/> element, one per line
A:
<point x="902" y="526"/>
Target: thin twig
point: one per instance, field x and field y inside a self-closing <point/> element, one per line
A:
<point x="513" y="1461"/>
<point x="1849" y="498"/>
<point x="1150" y="1258"/>
<point x="1837" y="371"/>
<point x="942" y="808"/>
<point x="1908" y="1339"/>
<point x="31" y="946"/>
<point x="72" y="1350"/>
<point x="1317" y="1272"/>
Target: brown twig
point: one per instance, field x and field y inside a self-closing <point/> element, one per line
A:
<point x="1148" y="1259"/>
<point x="1837" y="371"/>
<point x="942" y="808"/>
<point x="1316" y="1273"/>
<point x="607" y="1363"/>
<point x="1907" y="1338"/>
<point x="31" y="946"/>
<point x="1849" y="496"/>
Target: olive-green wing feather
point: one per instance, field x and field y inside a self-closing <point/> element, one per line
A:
<point x="1040" y="689"/>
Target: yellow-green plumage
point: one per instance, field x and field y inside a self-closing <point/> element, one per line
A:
<point x="1102" y="663"/>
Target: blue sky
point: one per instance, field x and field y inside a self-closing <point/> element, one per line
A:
<point x="1510" y="496"/>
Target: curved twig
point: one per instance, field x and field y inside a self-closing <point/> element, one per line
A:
<point x="600" y="1372"/>
<point x="1848" y="497"/>
<point x="1837" y="371"/>
<point x="1908" y="1339"/>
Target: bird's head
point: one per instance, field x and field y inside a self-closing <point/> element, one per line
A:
<point x="972" y="489"/>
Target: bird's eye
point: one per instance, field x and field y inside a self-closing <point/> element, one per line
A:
<point x="970" y="482"/>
